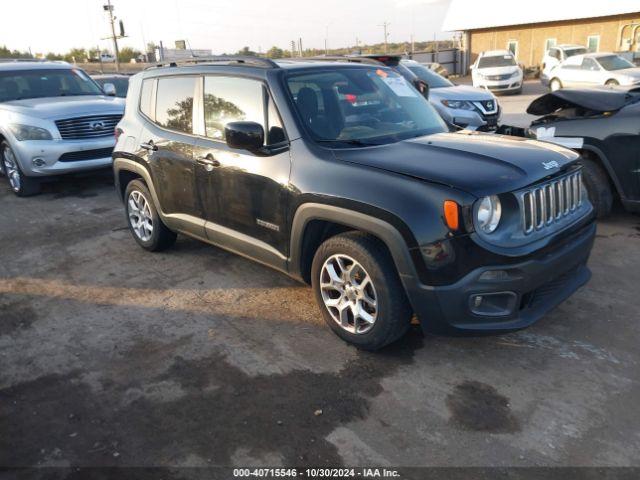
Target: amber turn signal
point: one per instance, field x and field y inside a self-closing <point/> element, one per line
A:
<point x="451" y="214"/>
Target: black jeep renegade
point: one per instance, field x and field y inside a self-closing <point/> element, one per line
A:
<point x="343" y="176"/>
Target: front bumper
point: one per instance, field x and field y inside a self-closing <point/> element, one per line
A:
<point x="509" y="85"/>
<point x="538" y="285"/>
<point x="57" y="157"/>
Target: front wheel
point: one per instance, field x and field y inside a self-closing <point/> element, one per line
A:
<point x="359" y="292"/>
<point x="598" y="187"/>
<point x="555" y="85"/>
<point x="612" y="83"/>
<point x="144" y="222"/>
<point x="20" y="184"/>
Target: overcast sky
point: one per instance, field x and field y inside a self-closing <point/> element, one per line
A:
<point x="221" y="25"/>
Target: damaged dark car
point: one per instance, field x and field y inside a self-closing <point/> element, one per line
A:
<point x="603" y="125"/>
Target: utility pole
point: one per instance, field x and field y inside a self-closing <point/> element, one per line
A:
<point x="109" y="9"/>
<point x="385" y="25"/>
<point x="326" y="40"/>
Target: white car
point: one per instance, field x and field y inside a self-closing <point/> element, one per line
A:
<point x="53" y="120"/>
<point x="498" y="71"/>
<point x="559" y="54"/>
<point x="593" y="69"/>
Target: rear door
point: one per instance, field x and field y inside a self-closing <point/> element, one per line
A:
<point x="167" y="141"/>
<point x="244" y="195"/>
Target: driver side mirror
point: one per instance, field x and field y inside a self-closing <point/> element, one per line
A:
<point x="245" y="135"/>
<point x="423" y="88"/>
<point x="109" y="89"/>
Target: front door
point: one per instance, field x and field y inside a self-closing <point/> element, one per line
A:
<point x="244" y="195"/>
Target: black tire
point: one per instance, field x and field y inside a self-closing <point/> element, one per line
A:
<point x="612" y="83"/>
<point x="161" y="237"/>
<point x="394" y="311"/>
<point x="555" y="80"/>
<point x="27" y="186"/>
<point x="596" y="180"/>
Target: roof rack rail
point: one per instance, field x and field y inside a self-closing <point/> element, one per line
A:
<point x="340" y="58"/>
<point x="7" y="60"/>
<point x="223" y="59"/>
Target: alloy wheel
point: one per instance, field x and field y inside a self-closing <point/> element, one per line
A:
<point x="349" y="294"/>
<point x="11" y="168"/>
<point x="140" y="216"/>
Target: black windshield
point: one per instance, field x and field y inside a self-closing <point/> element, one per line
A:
<point x="350" y="107"/>
<point x="24" y="84"/>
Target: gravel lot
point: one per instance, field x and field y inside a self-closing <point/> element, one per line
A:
<point x="113" y="356"/>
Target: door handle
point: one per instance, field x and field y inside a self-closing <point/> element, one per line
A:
<point x="150" y="146"/>
<point x="208" y="162"/>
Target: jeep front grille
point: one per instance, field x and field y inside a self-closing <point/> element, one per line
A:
<point x="547" y="203"/>
<point x="93" y="126"/>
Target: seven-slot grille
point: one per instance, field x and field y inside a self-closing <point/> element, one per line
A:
<point x="93" y="126"/>
<point x="549" y="202"/>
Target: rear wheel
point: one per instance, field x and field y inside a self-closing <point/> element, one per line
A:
<point x="612" y="83"/>
<point x="555" y="84"/>
<point x="21" y="185"/>
<point x="359" y="292"/>
<point x="598" y="187"/>
<point x="144" y="222"/>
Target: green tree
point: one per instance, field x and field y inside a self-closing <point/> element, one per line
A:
<point x="246" y="51"/>
<point x="275" y="52"/>
<point x="6" y="53"/>
<point x="53" y="56"/>
<point x="128" y="53"/>
<point x="76" y="55"/>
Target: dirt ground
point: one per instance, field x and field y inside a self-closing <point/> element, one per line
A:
<point x="112" y="356"/>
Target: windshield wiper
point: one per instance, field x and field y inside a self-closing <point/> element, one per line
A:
<point x="353" y="141"/>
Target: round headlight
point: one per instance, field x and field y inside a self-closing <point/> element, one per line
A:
<point x="489" y="213"/>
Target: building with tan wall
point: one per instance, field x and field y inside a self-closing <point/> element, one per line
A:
<point x="529" y="28"/>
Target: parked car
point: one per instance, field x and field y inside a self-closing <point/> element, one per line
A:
<point x="593" y="69"/>
<point x="460" y="105"/>
<point x="107" y="58"/>
<point x="53" y="119"/>
<point x="343" y="176"/>
<point x="120" y="82"/>
<point x="558" y="54"/>
<point x="498" y="71"/>
<point x="602" y="125"/>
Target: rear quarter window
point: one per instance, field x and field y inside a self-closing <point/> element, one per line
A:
<point x="146" y="100"/>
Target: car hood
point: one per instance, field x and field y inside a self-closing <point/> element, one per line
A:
<point x="628" y="72"/>
<point x="460" y="92"/>
<point x="64" y="107"/>
<point x="477" y="163"/>
<point x="498" y="70"/>
<point x="597" y="99"/>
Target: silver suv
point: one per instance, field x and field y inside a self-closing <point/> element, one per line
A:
<point x="54" y="119"/>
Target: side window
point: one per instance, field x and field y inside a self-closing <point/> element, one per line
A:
<point x="174" y="103"/>
<point x="145" y="97"/>
<point x="589" y="64"/>
<point x="554" y="53"/>
<point x="228" y="99"/>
